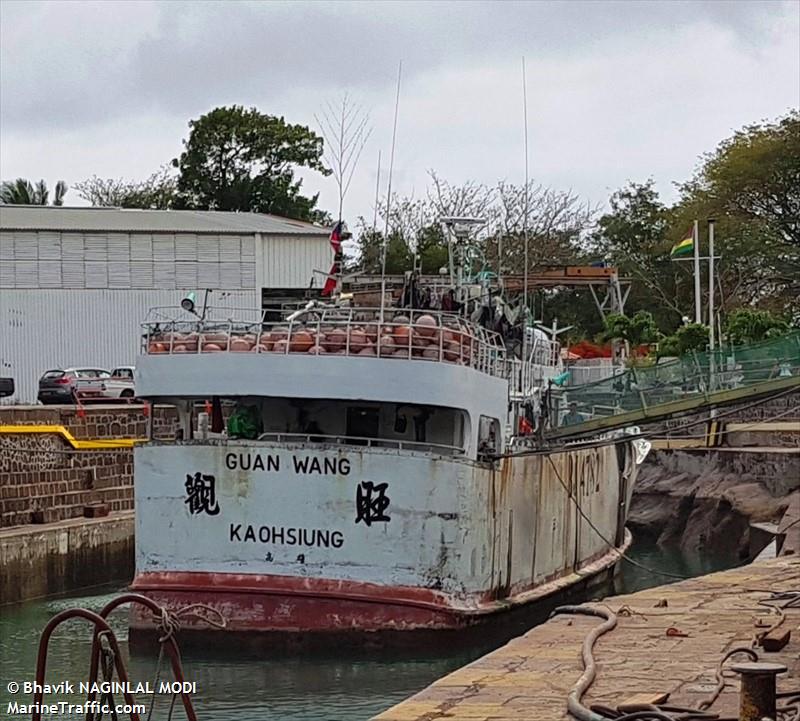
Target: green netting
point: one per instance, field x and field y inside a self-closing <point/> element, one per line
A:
<point x="644" y="386"/>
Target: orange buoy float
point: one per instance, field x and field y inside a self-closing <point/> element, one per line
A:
<point x="371" y="331"/>
<point x="335" y="340"/>
<point x="426" y="326"/>
<point x="452" y="351"/>
<point x="240" y="345"/>
<point x="402" y="335"/>
<point x="300" y="341"/>
<point x="386" y="345"/>
<point x="358" y="340"/>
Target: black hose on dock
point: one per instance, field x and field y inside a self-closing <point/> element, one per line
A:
<point x="574" y="705"/>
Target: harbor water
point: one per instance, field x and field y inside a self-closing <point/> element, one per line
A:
<point x="308" y="688"/>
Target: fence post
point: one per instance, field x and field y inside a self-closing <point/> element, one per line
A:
<point x="642" y="400"/>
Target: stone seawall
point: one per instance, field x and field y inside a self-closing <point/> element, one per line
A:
<point x="703" y="498"/>
<point x="38" y="561"/>
<point x="43" y="479"/>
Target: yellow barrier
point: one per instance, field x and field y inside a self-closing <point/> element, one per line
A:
<point x="62" y="431"/>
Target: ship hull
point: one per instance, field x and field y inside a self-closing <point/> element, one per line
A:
<point x="263" y="613"/>
<point x="464" y="543"/>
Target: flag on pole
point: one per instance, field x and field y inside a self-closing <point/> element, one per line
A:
<point x="337" y="235"/>
<point x="683" y="247"/>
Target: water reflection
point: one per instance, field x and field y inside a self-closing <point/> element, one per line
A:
<point x="232" y="688"/>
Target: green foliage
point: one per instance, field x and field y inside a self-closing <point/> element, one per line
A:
<point x="689" y="337"/>
<point x="636" y="331"/>
<point x="634" y="237"/>
<point x="239" y="159"/>
<point x="431" y="249"/>
<point x="156" y="192"/>
<point x="23" y="192"/>
<point x="751" y="185"/>
<point x="669" y="347"/>
<point x="748" y="325"/>
<point x="370" y="248"/>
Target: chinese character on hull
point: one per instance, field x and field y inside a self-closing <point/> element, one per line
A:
<point x="371" y="502"/>
<point x="201" y="496"/>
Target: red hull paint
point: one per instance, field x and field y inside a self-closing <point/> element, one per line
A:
<point x="296" y="605"/>
<point x="286" y="603"/>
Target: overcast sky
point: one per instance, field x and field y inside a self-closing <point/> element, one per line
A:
<point x="617" y="91"/>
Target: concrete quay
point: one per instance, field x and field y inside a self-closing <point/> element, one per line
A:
<point x="530" y="677"/>
<point x="78" y="553"/>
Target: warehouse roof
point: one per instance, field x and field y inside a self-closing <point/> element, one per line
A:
<point x="54" y="218"/>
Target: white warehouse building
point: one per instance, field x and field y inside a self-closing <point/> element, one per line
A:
<point x="76" y="283"/>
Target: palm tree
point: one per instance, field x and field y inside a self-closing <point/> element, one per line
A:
<point x="23" y="192"/>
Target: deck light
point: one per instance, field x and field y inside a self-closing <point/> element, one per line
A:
<point x="188" y="302"/>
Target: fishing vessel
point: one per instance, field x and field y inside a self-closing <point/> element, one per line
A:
<point x="343" y="470"/>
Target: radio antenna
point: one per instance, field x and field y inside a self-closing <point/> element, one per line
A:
<point x="389" y="190"/>
<point x="377" y="191"/>
<point x="525" y="225"/>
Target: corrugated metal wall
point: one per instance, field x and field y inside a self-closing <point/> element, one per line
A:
<point x="42" y="329"/>
<point x="289" y="261"/>
<point x="73" y="298"/>
<point x="32" y="259"/>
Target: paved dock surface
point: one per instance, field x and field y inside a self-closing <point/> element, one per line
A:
<point x="530" y="677"/>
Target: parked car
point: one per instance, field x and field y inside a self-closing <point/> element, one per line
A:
<point x="87" y="384"/>
<point x="62" y="385"/>
<point x="6" y="387"/>
<point x="120" y="384"/>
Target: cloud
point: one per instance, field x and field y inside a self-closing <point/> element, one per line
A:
<point x="617" y="90"/>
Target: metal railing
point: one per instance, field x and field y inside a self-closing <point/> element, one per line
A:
<point x="693" y="375"/>
<point x="364" y="332"/>
<point x="544" y="362"/>
<point x="440" y="448"/>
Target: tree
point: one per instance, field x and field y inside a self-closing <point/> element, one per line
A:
<point x="156" y="192"/>
<point x="751" y="185"/>
<point x="239" y="159"/>
<point x="689" y="337"/>
<point x="22" y="192"/>
<point x="635" y="237"/>
<point x="345" y="128"/>
<point x="555" y="221"/>
<point x="749" y="325"/>
<point x="370" y="246"/>
<point x="638" y="330"/>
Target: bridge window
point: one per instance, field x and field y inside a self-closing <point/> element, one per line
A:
<point x="363" y="422"/>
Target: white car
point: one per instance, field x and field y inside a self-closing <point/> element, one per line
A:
<point x="119" y="384"/>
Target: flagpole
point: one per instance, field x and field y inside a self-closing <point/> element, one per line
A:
<point x="698" y="311"/>
<point x="389" y="192"/>
<point x="712" y="365"/>
<point x="711" y="337"/>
